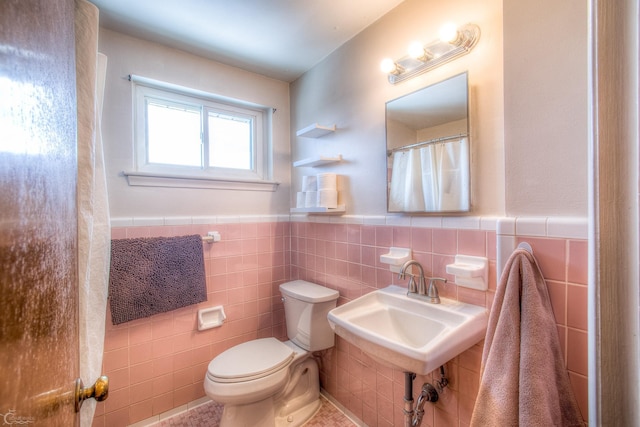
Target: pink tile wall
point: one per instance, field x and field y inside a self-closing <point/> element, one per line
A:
<point x="346" y="258"/>
<point x="159" y="363"/>
<point x="564" y="263"/>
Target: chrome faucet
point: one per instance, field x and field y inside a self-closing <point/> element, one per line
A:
<point x="422" y="288"/>
<point x="432" y="291"/>
<point x="421" y="291"/>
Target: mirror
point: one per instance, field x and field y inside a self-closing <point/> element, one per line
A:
<point x="428" y="149"/>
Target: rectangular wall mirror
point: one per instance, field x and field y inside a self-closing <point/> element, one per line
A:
<point x="428" y="149"/>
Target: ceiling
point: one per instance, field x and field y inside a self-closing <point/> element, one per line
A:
<point x="281" y="39"/>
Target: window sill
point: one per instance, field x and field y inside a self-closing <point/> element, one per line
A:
<point x="145" y="179"/>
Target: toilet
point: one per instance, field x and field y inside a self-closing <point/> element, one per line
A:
<point x="270" y="383"/>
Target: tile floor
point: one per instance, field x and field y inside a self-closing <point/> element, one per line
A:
<point x="208" y="415"/>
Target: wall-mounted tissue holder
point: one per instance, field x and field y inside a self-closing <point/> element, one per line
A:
<point x="396" y="258"/>
<point x="211" y="237"/>
<point x="211" y="317"/>
<point x="470" y="271"/>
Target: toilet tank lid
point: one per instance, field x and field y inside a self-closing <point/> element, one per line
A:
<point x="309" y="292"/>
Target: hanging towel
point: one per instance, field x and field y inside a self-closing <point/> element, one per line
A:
<point x="154" y="275"/>
<point x="523" y="380"/>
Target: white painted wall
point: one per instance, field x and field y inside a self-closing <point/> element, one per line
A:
<point x="545" y="114"/>
<point x="348" y="89"/>
<point x="528" y="111"/>
<point x="127" y="55"/>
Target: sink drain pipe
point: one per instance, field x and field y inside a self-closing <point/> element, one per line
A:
<point x="413" y="417"/>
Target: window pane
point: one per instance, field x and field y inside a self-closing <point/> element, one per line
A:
<point x="173" y="135"/>
<point x="230" y="142"/>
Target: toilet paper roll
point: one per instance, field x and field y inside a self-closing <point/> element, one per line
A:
<point x="328" y="199"/>
<point x="309" y="183"/>
<point x="327" y="181"/>
<point x="300" y="199"/>
<point x="310" y="199"/>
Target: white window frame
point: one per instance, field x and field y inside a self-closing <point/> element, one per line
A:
<point x="259" y="178"/>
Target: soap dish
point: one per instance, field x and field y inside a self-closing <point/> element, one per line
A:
<point x="396" y="258"/>
<point x="470" y="271"/>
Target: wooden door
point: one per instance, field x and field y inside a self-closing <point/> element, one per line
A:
<point x="38" y="231"/>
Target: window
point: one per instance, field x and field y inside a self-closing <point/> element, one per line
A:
<point x="193" y="138"/>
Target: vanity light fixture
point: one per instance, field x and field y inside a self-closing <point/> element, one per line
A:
<point x="389" y="67"/>
<point x="453" y="42"/>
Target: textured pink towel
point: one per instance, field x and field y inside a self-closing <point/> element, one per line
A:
<point x="523" y="380"/>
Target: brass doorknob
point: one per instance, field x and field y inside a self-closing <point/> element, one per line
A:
<point x="99" y="391"/>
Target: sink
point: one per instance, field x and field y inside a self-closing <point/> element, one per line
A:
<point x="408" y="333"/>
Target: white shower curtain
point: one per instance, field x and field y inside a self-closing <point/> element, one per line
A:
<point x="453" y="168"/>
<point x="94" y="234"/>
<point x="431" y="178"/>
<point x="406" y="190"/>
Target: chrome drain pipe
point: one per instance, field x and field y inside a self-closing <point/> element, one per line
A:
<point x="428" y="394"/>
<point x="408" y="398"/>
<point x="413" y="417"/>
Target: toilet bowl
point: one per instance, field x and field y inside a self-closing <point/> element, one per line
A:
<point x="267" y="382"/>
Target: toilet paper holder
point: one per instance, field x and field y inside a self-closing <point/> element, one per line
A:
<point x="211" y="317"/>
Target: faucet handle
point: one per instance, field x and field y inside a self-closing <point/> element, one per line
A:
<point x="432" y="291"/>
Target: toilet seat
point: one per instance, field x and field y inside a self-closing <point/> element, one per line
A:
<point x="250" y="361"/>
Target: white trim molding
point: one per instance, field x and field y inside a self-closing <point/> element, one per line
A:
<point x="508" y="229"/>
<point x="194" y="220"/>
<point x="148" y="179"/>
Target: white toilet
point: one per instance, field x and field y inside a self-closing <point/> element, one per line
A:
<point x="266" y="382"/>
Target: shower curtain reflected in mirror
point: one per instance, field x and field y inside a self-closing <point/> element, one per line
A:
<point x="94" y="234"/>
<point x="432" y="178"/>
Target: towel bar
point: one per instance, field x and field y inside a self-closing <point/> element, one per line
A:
<point x="211" y="237"/>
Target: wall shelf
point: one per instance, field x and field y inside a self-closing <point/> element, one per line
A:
<point x="315" y="131"/>
<point x="339" y="209"/>
<point x="317" y="161"/>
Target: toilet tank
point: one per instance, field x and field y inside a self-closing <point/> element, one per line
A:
<point x="305" y="309"/>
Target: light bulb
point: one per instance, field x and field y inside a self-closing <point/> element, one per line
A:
<point x="415" y="49"/>
<point x="388" y="66"/>
<point x="448" y="32"/>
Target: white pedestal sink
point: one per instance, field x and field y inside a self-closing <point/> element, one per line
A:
<point x="406" y="333"/>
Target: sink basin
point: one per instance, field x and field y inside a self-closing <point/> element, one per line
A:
<point x="407" y="333"/>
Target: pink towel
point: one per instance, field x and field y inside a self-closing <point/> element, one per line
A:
<point x="523" y="380"/>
